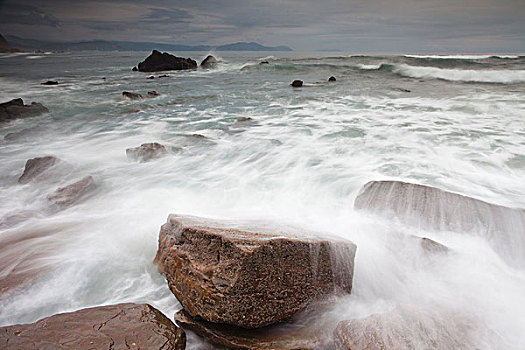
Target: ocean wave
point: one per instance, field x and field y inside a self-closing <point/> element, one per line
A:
<point x="463" y="57"/>
<point x="466" y="75"/>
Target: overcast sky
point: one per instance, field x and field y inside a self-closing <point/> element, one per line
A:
<point x="305" y="25"/>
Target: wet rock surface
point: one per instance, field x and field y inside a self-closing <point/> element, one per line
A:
<point x="122" y="326"/>
<point x="35" y="167"/>
<point x="164" y="61"/>
<point x="248" y="278"/>
<point x="50" y="82"/>
<point x="270" y="338"/>
<point x="17" y="109"/>
<point x="146" y="152"/>
<point x="332" y="79"/>
<point x="431" y="208"/>
<point x="297" y="83"/>
<point x="137" y="96"/>
<point x="209" y="62"/>
<point x="68" y="195"/>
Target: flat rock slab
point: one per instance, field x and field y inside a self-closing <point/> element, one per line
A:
<point x="409" y="328"/>
<point x="35" y="167"/>
<point x="68" y="195"/>
<point x="431" y="208"/>
<point x="122" y="326"/>
<point x="234" y="274"/>
<point x="146" y="152"/>
<point x="164" y="61"/>
<point x="266" y="338"/>
<point x="17" y="109"/>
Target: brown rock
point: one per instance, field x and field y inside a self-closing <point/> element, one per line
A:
<point x="122" y="326"/>
<point x="146" y="152"/>
<point x="65" y="196"/>
<point x="132" y="95"/>
<point x="407" y="329"/>
<point x="297" y="83"/>
<point x="431" y="208"/>
<point x="16" y="109"/>
<point x="35" y="167"/>
<point x="164" y="61"/>
<point x="266" y="338"/>
<point x="239" y="276"/>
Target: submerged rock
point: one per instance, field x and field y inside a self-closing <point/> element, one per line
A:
<point x="230" y="274"/>
<point x="17" y="109"/>
<point x="146" y="152"/>
<point x="122" y="326"/>
<point x="164" y="61"/>
<point x="431" y="208"/>
<point x="407" y="328"/>
<point x="209" y="62"/>
<point x="332" y="79"/>
<point x="266" y="338"/>
<point x="132" y="95"/>
<point x="65" y="196"/>
<point x="297" y="83"/>
<point x="153" y="93"/>
<point x="50" y="82"/>
<point x="35" y="167"/>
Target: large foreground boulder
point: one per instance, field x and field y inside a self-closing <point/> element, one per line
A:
<point x="35" y="167"/>
<point x="411" y="328"/>
<point x="304" y="337"/>
<point x="17" y="109"/>
<point x="164" y="61"/>
<point x="431" y="208"/>
<point x="236" y="275"/>
<point x="68" y="195"/>
<point x="122" y="326"/>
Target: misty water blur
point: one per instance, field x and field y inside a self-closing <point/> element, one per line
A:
<point x="301" y="160"/>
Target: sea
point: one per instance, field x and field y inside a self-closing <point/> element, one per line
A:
<point x="245" y="145"/>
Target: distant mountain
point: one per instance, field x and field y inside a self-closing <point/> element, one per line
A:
<point x="103" y="45"/>
<point x="5" y="46"/>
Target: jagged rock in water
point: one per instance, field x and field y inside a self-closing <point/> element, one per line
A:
<point x="431" y="208"/>
<point x="264" y="62"/>
<point x="65" y="196"/>
<point x="266" y="338"/>
<point x="132" y="95"/>
<point x="17" y="109"/>
<point x="410" y="328"/>
<point x="146" y="152"/>
<point x="164" y="61"/>
<point x="35" y="167"/>
<point x="135" y="69"/>
<point x="50" y="82"/>
<point x="122" y="326"/>
<point x="153" y="93"/>
<point x="209" y="62"/>
<point x="332" y="79"/>
<point x="234" y="274"/>
<point x="297" y="83"/>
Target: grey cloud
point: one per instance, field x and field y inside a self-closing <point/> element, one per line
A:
<point x="26" y="14"/>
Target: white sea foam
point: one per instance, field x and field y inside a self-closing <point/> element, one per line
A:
<point x="462" y="57"/>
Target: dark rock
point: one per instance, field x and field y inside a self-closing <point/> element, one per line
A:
<point x="264" y="62"/>
<point x="432" y="246"/>
<point x="153" y="93"/>
<point x="297" y="83"/>
<point x="209" y="62"/>
<point x="151" y="77"/>
<point x="50" y="82"/>
<point x="16" y="109"/>
<point x="270" y="337"/>
<point x="404" y="90"/>
<point x="65" y="196"/>
<point x="132" y="95"/>
<point x="135" y="69"/>
<point x="431" y="208"/>
<point x="164" y="61"/>
<point x="122" y="326"/>
<point x="146" y="152"/>
<point x="163" y="76"/>
<point x="244" y="119"/>
<point x="332" y="79"/>
<point x="407" y="328"/>
<point x="235" y="275"/>
<point x="35" y="167"/>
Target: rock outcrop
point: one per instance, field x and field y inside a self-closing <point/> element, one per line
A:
<point x="408" y="328"/>
<point x="17" y="109"/>
<point x="35" y="167"/>
<point x="137" y="96"/>
<point x="50" y="82"/>
<point x="164" y="61"/>
<point x="65" y="196"/>
<point x="297" y="83"/>
<point x="332" y="79"/>
<point x="266" y="338"/>
<point x="249" y="278"/>
<point x="431" y="208"/>
<point x="122" y="326"/>
<point x="146" y="152"/>
<point x="209" y="62"/>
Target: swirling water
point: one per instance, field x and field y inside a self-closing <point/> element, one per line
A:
<point x="451" y="122"/>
